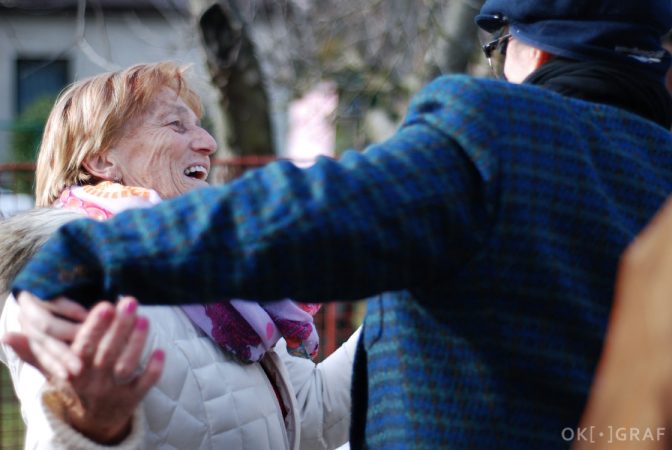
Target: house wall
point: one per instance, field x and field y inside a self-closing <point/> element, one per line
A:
<point x="117" y="39"/>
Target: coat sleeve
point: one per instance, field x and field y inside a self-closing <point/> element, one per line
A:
<point x="65" y="437"/>
<point x="403" y="213"/>
<point x="323" y="394"/>
<point x="45" y="428"/>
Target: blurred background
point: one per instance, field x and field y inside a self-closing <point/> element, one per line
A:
<point x="290" y="79"/>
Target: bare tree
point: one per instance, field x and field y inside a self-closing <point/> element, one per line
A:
<point x="236" y="71"/>
<point x="453" y="52"/>
<point x="262" y="53"/>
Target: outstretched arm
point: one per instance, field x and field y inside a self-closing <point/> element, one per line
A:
<point x="400" y="214"/>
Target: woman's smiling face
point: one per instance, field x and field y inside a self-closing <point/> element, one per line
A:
<point x="166" y="149"/>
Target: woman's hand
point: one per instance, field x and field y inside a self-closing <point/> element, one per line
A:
<point x="47" y="330"/>
<point x="110" y="385"/>
<point x="92" y="358"/>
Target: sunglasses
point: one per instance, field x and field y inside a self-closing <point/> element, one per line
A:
<point x="496" y="44"/>
<point x="495" y="52"/>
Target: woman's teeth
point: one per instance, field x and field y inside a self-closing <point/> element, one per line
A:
<point x="199" y="172"/>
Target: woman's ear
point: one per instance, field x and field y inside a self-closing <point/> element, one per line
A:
<point x="101" y="166"/>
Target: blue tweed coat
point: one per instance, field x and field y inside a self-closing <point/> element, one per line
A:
<point x="487" y="232"/>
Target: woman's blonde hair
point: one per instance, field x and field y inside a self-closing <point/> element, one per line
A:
<point x="88" y="117"/>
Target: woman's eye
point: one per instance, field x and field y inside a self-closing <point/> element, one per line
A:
<point x="177" y="124"/>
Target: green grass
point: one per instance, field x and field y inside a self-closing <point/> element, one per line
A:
<point x="12" y="428"/>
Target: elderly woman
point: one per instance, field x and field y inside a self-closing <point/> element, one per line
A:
<point x="128" y="139"/>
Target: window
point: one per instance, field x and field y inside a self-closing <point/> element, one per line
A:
<point x="37" y="78"/>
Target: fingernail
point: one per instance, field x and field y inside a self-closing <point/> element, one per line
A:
<point x="130" y="307"/>
<point x="106" y="313"/>
<point x="141" y="324"/>
<point x="159" y="355"/>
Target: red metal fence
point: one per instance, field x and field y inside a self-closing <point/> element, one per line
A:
<point x="335" y="321"/>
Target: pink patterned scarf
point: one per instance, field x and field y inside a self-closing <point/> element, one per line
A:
<point x="245" y="329"/>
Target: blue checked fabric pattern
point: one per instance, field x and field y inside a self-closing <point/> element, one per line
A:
<point x="487" y="233"/>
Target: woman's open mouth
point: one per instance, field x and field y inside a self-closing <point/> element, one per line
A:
<point x="199" y="172"/>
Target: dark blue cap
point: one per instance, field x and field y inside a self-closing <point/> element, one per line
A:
<point x="627" y="31"/>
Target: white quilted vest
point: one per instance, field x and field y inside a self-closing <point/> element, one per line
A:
<point x="206" y="400"/>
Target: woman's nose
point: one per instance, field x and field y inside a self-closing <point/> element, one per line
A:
<point x="204" y="142"/>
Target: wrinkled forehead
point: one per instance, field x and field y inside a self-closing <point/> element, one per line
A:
<point x="166" y="102"/>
